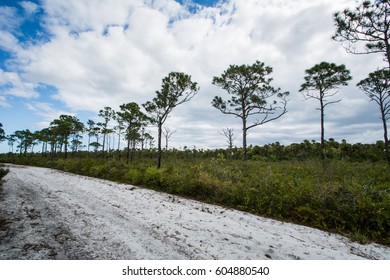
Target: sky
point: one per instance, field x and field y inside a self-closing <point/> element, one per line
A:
<point x="78" y="56"/>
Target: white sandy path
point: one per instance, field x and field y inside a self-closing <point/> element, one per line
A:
<point x="57" y="215"/>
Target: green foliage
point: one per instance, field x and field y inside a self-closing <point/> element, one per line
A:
<point x="376" y="86"/>
<point x="107" y="114"/>
<point x="134" y="177"/>
<point x="324" y="77"/>
<point x="152" y="177"/>
<point x="132" y="120"/>
<point x="176" y="89"/>
<point x="64" y="127"/>
<point x="368" y="25"/>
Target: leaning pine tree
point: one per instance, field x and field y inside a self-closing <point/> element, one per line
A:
<point x="177" y="88"/>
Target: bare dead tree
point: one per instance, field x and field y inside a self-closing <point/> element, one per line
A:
<point x="229" y="134"/>
<point x="167" y="133"/>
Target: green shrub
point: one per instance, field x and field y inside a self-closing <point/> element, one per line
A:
<point x="202" y="187"/>
<point x="152" y="177"/>
<point x="100" y="171"/>
<point x="134" y="177"/>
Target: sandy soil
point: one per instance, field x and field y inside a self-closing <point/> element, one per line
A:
<point x="49" y="214"/>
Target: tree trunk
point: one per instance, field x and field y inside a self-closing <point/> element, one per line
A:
<point x="119" y="144"/>
<point x="387" y="152"/>
<point x="387" y="49"/>
<point x="322" y="129"/>
<point x="244" y="133"/>
<point x="66" y="147"/>
<point x="128" y="150"/>
<point x="132" y="151"/>
<point x="104" y="142"/>
<point x="159" y="151"/>
<point x="244" y="129"/>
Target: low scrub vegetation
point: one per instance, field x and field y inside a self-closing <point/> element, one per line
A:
<point x="341" y="196"/>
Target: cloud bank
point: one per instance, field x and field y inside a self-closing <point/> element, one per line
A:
<point x="106" y="53"/>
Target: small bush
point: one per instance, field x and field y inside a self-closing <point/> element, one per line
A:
<point x="152" y="177"/>
<point x="134" y="177"/>
<point x="203" y="187"/>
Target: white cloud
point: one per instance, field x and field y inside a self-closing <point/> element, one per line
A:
<point x="105" y="53"/>
<point x="82" y="15"/>
<point x="9" y="42"/>
<point x="9" y="20"/>
<point x="47" y="111"/>
<point x="11" y="84"/>
<point x="3" y="102"/>
<point x="29" y="8"/>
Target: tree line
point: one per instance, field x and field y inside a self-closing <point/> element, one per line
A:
<point x="251" y="97"/>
